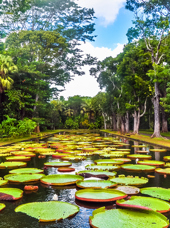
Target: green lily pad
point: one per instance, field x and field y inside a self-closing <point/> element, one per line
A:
<point x="10" y="193"/>
<point x="119" y="218"/>
<point x="102" y="167"/>
<point x="163" y="171"/>
<point x="11" y="165"/>
<point x="48" y="211"/>
<point x="74" y="158"/>
<point x="139" y="156"/>
<point x="26" y="170"/>
<point x="108" y="161"/>
<point x="99" y="195"/>
<point x="95" y="184"/>
<point x="57" y="164"/>
<point x="146" y="203"/>
<point x="61" y="179"/>
<point x="129" y="190"/>
<point x="161" y="193"/>
<point x="158" y="150"/>
<point x="129" y="180"/>
<point x="132" y="167"/>
<point x="18" y="158"/>
<point x="166" y="158"/>
<point x="96" y="173"/>
<point x="123" y="159"/>
<point x="3" y="182"/>
<point x="23" y="178"/>
<point x="151" y="162"/>
<point x="2" y="206"/>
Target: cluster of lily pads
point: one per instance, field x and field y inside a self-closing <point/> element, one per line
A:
<point x="98" y="182"/>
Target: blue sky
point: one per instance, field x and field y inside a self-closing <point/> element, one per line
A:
<point x="112" y="24"/>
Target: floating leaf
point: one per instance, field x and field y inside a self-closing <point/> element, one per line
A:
<point x="108" y="161"/>
<point x="61" y="179"/>
<point x="18" y="158"/>
<point x="10" y="193"/>
<point x="11" y="165"/>
<point x="139" y="156"/>
<point x="26" y="170"/>
<point x="95" y="184"/>
<point x="129" y="190"/>
<point x="102" y="167"/>
<point x="96" y="173"/>
<point x="48" y="211"/>
<point x="132" y="167"/>
<point x="129" y="180"/>
<point x="23" y="178"/>
<point x="151" y="162"/>
<point x="57" y="164"/>
<point x="158" y="192"/>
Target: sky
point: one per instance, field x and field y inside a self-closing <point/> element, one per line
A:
<point x="112" y="24"/>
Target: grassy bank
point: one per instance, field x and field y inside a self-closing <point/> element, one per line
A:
<point x="40" y="135"/>
<point x="162" y="142"/>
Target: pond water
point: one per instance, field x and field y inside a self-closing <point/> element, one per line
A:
<point x="11" y="219"/>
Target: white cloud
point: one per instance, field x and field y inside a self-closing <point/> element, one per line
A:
<point x="105" y="10"/>
<point x="87" y="85"/>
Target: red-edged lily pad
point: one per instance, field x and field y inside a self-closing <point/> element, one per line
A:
<point x="11" y="165"/>
<point x="99" y="195"/>
<point x="48" y="211"/>
<point x="158" y="150"/>
<point x="151" y="162"/>
<point x="61" y="179"/>
<point x="10" y="193"/>
<point x="166" y="158"/>
<point x="108" y="161"/>
<point x="119" y="218"/>
<point x="66" y="169"/>
<point x="57" y="164"/>
<point x="146" y="203"/>
<point x="139" y="156"/>
<point x="163" y="171"/>
<point x="18" y="158"/>
<point x="132" y="167"/>
<point x="96" y="184"/>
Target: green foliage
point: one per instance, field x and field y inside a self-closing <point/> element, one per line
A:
<point x="71" y="124"/>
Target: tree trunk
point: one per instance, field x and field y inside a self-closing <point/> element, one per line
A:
<point x="122" y="120"/>
<point x="114" y="121"/>
<point x="104" y="118"/>
<point x="118" y="122"/>
<point x="164" y="121"/>
<point x="36" y="100"/>
<point x="127" y="122"/>
<point x="156" y="112"/>
<point x="136" y="119"/>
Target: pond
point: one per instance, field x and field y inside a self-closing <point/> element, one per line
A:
<point x="9" y="218"/>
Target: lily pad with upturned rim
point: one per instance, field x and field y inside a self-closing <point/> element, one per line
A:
<point x="163" y="171"/>
<point x="157" y="192"/>
<point x="23" y="153"/>
<point x="146" y="203"/>
<point x="96" y="184"/>
<point x="96" y="173"/>
<point x="61" y="179"/>
<point x="166" y="158"/>
<point x="18" y="158"/>
<point x="57" y="164"/>
<point x="158" y="150"/>
<point x="118" y="218"/>
<point x="108" y="161"/>
<point x="48" y="211"/>
<point x="3" y="182"/>
<point x="129" y="180"/>
<point x="23" y="178"/>
<point x="99" y="195"/>
<point x="134" y="167"/>
<point x="26" y="170"/>
<point x="139" y="156"/>
<point x="102" y="167"/>
<point x="151" y="162"/>
<point x="11" y="165"/>
<point x="10" y="193"/>
<point x="2" y="206"/>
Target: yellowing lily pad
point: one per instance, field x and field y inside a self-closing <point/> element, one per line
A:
<point x="139" y="156"/>
<point x="163" y="171"/>
<point x="146" y="203"/>
<point x="108" y="161"/>
<point x="99" y="195"/>
<point x="129" y="190"/>
<point x="61" y="179"/>
<point x="57" y="164"/>
<point x="158" y="150"/>
<point x="18" y="158"/>
<point x="48" y="211"/>
<point x="151" y="162"/>
<point x="119" y="218"/>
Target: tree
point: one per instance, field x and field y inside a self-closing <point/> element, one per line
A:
<point x="152" y="24"/>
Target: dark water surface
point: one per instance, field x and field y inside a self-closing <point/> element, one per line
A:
<point x="11" y="219"/>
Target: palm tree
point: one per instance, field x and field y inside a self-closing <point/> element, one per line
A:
<point x="87" y="107"/>
<point x="7" y="67"/>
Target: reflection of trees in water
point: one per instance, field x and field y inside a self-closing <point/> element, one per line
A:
<point x="136" y="143"/>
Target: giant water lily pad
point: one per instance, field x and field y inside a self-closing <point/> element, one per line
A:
<point x="132" y="167"/>
<point x="139" y="156"/>
<point x="96" y="173"/>
<point x="10" y="193"/>
<point x="166" y="158"/>
<point x="18" y="158"/>
<point x="99" y="195"/>
<point x="95" y="184"/>
<point x="61" y="179"/>
<point x="74" y="158"/>
<point x="48" y="211"/>
<point x="11" y="165"/>
<point x="125" y="160"/>
<point x="151" y="162"/>
<point x="57" y="164"/>
<point x="26" y="170"/>
<point x="129" y="190"/>
<point x="158" y="150"/>
<point x="23" y="178"/>
<point x="108" y="161"/>
<point x="119" y="218"/>
<point x="3" y="182"/>
<point x="161" y="193"/>
<point x="146" y="203"/>
<point x="102" y="167"/>
<point x="23" y="153"/>
<point x="129" y="180"/>
<point x="163" y="171"/>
